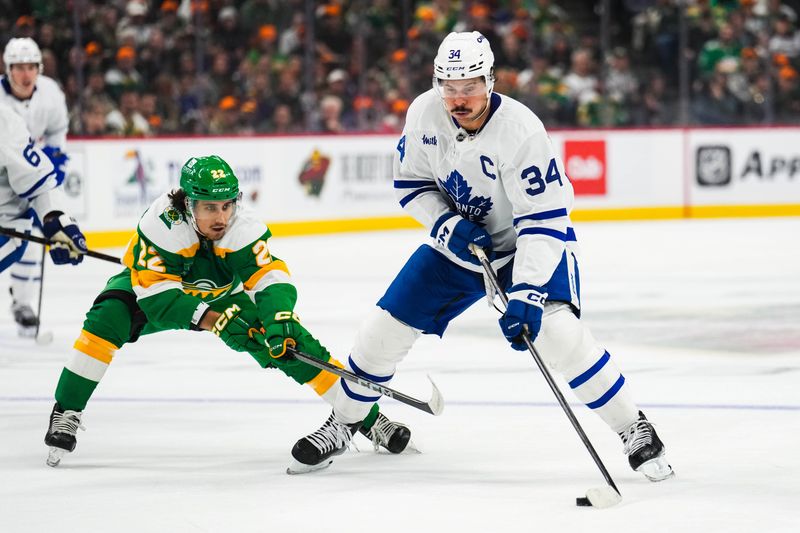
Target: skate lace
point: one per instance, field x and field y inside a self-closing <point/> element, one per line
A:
<point x="381" y="431"/>
<point x="67" y="422"/>
<point x="637" y="436"/>
<point x="332" y="435"/>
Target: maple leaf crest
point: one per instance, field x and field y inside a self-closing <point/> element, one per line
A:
<point x="472" y="208"/>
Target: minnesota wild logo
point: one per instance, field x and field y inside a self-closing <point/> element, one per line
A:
<point x="206" y="289"/>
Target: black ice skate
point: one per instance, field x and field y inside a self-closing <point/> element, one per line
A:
<point x="26" y="319"/>
<point x="316" y="451"/>
<point x="645" y="450"/>
<point x="393" y="436"/>
<point x="60" y="435"/>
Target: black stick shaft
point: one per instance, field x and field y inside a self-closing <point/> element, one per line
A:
<point x="487" y="267"/>
<point x="41" y="291"/>
<point x="39" y="240"/>
<point x="434" y="406"/>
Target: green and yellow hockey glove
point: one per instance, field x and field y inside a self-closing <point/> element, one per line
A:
<point x="282" y="331"/>
<point x="237" y="333"/>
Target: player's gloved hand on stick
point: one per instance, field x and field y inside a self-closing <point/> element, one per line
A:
<point x="281" y="332"/>
<point x="70" y="244"/>
<point x="455" y="233"/>
<point x="525" y="308"/>
<point x="236" y="332"/>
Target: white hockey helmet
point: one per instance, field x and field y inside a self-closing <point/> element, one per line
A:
<point x="22" y="50"/>
<point x="463" y="56"/>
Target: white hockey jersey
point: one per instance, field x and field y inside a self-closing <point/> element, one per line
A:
<point x="45" y="112"/>
<point x="505" y="177"/>
<point x="27" y="177"/>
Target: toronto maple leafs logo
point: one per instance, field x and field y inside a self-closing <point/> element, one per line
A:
<point x="472" y="208"/>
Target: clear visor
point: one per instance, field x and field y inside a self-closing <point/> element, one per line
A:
<point x="201" y="209"/>
<point x="461" y="88"/>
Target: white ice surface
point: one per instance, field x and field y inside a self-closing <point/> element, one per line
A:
<point x="183" y="435"/>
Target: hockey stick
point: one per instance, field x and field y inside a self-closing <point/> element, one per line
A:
<point x="601" y="496"/>
<point x="434" y="406"/>
<point x="44" y="242"/>
<point x="47" y="336"/>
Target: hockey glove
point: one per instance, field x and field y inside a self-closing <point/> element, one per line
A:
<point x="70" y="244"/>
<point x="237" y="333"/>
<point x="525" y="308"/>
<point x="282" y="331"/>
<point x="456" y="234"/>
<point x="59" y="160"/>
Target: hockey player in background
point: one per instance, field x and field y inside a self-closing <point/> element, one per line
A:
<point x="40" y="102"/>
<point x="199" y="261"/>
<point x="28" y="190"/>
<point x="477" y="167"/>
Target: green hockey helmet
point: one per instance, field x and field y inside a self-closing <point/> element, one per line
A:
<point x="209" y="178"/>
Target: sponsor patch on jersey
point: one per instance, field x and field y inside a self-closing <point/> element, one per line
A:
<point x="585" y="163"/>
<point x="429" y="140"/>
<point x="171" y="217"/>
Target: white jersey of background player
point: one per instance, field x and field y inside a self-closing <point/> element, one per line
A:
<point x="41" y="103"/>
<point x="28" y="186"/>
<point x="477" y="167"/>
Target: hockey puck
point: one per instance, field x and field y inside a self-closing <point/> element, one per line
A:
<point x="44" y="338"/>
<point x="583" y="502"/>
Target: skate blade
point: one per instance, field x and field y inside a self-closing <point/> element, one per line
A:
<point x="55" y="455"/>
<point x="299" y="468"/>
<point x="657" y="469"/>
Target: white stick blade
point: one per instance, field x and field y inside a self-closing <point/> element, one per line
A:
<point x="437" y="401"/>
<point x="603" y="497"/>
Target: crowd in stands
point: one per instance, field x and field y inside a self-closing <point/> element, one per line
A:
<point x="145" y="67"/>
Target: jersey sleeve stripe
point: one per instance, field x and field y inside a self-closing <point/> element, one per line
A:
<point x="36" y="186"/>
<point x="278" y="265"/>
<point x="544" y="215"/>
<point x="569" y="236"/>
<point x="544" y="231"/>
<point x="416" y="193"/>
<point x="411" y="184"/>
<point x="147" y="278"/>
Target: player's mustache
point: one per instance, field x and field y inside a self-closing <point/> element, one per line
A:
<point x="459" y="109"/>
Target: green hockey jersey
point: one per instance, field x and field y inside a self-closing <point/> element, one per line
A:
<point x="176" y="273"/>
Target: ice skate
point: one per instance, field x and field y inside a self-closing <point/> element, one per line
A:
<point x="393" y="436"/>
<point x="26" y="319"/>
<point x="61" y="433"/>
<point x="645" y="450"/>
<point x="317" y="450"/>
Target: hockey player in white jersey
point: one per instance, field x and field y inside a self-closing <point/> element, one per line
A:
<point x="41" y="103"/>
<point x="28" y="188"/>
<point x="477" y="167"/>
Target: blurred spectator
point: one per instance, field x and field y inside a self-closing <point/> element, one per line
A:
<point x="715" y="105"/>
<point x="225" y="120"/>
<point x="657" y="107"/>
<point x="93" y="117"/>
<point x="283" y="121"/>
<point x="330" y="108"/>
<point x="725" y="46"/>
<point x="123" y="77"/>
<point x="787" y="99"/>
<point x="580" y="81"/>
<point x="127" y="121"/>
<point x="785" y="40"/>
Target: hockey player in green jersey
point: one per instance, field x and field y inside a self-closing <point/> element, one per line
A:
<point x="198" y="261"/>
